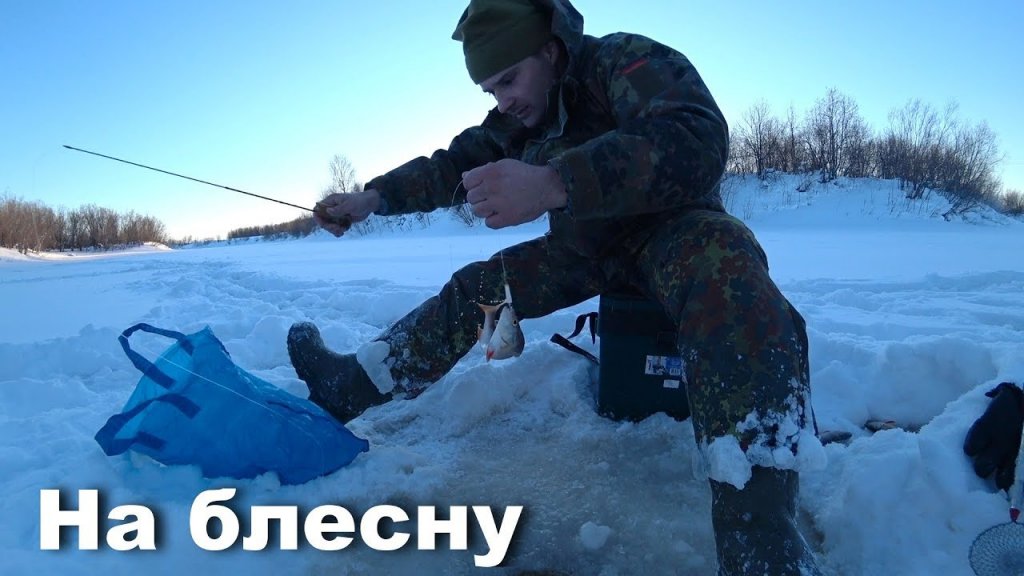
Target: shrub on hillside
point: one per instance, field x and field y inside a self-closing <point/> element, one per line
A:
<point x="1013" y="203"/>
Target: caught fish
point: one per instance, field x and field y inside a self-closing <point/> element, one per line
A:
<point x="501" y="336"/>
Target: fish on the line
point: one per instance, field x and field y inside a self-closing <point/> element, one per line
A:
<point x="501" y="335"/>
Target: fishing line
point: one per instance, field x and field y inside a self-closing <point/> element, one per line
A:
<point x="451" y="257"/>
<point x="451" y="204"/>
<point x="451" y="264"/>
<point x="501" y="252"/>
<point x="504" y="274"/>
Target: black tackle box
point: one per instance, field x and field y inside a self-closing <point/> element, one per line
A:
<point x="641" y="371"/>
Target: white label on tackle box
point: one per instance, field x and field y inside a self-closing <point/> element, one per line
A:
<point x="671" y="366"/>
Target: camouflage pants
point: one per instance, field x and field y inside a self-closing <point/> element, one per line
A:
<point x="744" y="345"/>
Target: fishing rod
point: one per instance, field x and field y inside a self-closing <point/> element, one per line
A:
<point x="344" y="221"/>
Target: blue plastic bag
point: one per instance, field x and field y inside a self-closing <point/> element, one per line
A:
<point x="195" y="406"/>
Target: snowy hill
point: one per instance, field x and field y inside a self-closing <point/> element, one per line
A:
<point x="145" y="248"/>
<point x="910" y="318"/>
<point x="790" y="200"/>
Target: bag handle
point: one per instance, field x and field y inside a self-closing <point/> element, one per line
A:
<point x="581" y="321"/>
<point x="112" y="445"/>
<point x="561" y="341"/>
<point x="107" y="435"/>
<point x="140" y="362"/>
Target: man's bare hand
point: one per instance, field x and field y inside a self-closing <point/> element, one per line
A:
<point x="509" y="192"/>
<point x="338" y="212"/>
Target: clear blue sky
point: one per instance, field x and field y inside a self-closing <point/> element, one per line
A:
<point x="260" y="95"/>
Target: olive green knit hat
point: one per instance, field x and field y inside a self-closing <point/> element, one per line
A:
<point x="496" y="34"/>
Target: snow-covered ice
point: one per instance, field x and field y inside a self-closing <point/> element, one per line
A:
<point x="910" y="318"/>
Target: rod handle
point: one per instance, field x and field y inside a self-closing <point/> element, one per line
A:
<point x="344" y="221"/>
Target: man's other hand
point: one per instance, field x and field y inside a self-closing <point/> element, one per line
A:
<point x="509" y="192"/>
<point x="994" y="439"/>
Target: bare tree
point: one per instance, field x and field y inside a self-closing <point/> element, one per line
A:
<point x="59" y="231"/>
<point x="1013" y="203"/>
<point x="8" y="221"/>
<point x="44" y="222"/>
<point x="100" y="226"/>
<point x="759" y="139"/>
<point x="24" y="225"/>
<point x="860" y="152"/>
<point x="152" y="230"/>
<point x="109" y="225"/>
<point x="916" y="136"/>
<point x="343" y="178"/>
<point x="76" y="230"/>
<point x="129" y="228"/>
<point x="343" y="181"/>
<point x="889" y="150"/>
<point x="967" y="173"/>
<point x="931" y="151"/>
<point x="793" y="159"/>
<point x="834" y="127"/>
<point x="91" y="224"/>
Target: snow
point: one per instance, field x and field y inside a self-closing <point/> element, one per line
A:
<point x="372" y="356"/>
<point x="593" y="536"/>
<point x="910" y="318"/>
<point x="727" y="462"/>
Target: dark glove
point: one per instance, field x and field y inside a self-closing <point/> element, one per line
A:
<point x="994" y="439"/>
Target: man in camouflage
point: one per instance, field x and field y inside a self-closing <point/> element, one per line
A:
<point x="620" y="142"/>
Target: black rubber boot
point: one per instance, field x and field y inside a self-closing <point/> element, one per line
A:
<point x="337" y="382"/>
<point x="755" y="528"/>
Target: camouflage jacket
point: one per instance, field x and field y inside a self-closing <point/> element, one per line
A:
<point x="631" y="129"/>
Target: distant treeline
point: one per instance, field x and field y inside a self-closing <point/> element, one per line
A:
<point x="295" y="229"/>
<point x="35" y="226"/>
<point x="301" y="227"/>
<point x="923" y="148"/>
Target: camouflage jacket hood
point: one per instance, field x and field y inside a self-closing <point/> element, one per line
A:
<point x="632" y="130"/>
